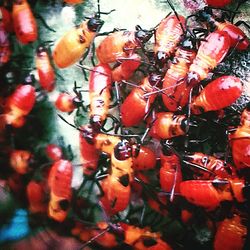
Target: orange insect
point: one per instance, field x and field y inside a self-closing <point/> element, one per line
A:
<point x="238" y="38"/>
<point x="145" y="160"/>
<point x="210" y="53"/>
<point x="45" y="70"/>
<point x="215" y="165"/>
<point x="137" y="104"/>
<point x="20" y="161"/>
<point x="175" y="90"/>
<point x="217" y="95"/>
<point x="99" y="94"/>
<point x="210" y="193"/>
<point x="168" y="125"/>
<point x="19" y="105"/>
<point x="71" y="47"/>
<point x="126" y="69"/>
<point x="170" y="173"/>
<point x="240" y="141"/>
<point x="91" y="145"/>
<point x="230" y="234"/>
<point x="168" y="35"/>
<point x="122" y="44"/>
<point x="143" y="238"/>
<point x="24" y="22"/>
<point x="59" y="182"/>
<point x="116" y="187"/>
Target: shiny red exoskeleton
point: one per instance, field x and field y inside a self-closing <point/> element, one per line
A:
<point x="168" y="125"/>
<point x="65" y="102"/>
<point x="168" y="35"/>
<point x="238" y="38"/>
<point x="19" y="104"/>
<point x="126" y="69"/>
<point x="218" y="94"/>
<point x="59" y="182"/>
<point x="231" y="234"/>
<point x="45" y="70"/>
<point x="99" y="94"/>
<point x="240" y="141"/>
<point x="137" y="104"/>
<point x="219" y="168"/>
<point x="54" y="152"/>
<point x="176" y="92"/>
<point x="116" y="187"/>
<point x="121" y="44"/>
<point x="170" y="172"/>
<point x="210" y="53"/>
<point x="24" y="22"/>
<point x="210" y="193"/>
<point x="145" y="160"/>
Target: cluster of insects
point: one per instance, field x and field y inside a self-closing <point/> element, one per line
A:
<point x="161" y="144"/>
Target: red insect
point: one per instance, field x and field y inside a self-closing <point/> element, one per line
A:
<point x="89" y="152"/>
<point x="217" y="166"/>
<point x="54" y="152"/>
<point x="210" y="193"/>
<point x="24" y="22"/>
<point x="122" y="44"/>
<point x="36" y="195"/>
<point x="45" y="70"/>
<point x="6" y="19"/>
<point x="238" y="38"/>
<point x="116" y="187"/>
<point x="145" y="160"/>
<point x="168" y="35"/>
<point x="231" y="234"/>
<point x="20" y="161"/>
<point x="91" y="145"/>
<point x="5" y="51"/>
<point x="170" y="173"/>
<point x="19" y="104"/>
<point x="240" y="141"/>
<point x="176" y="91"/>
<point x="139" y="101"/>
<point x="210" y="53"/>
<point x="143" y="238"/>
<point x="99" y="94"/>
<point x="217" y="95"/>
<point x="126" y="69"/>
<point x="168" y="125"/>
<point x="59" y="182"/>
<point x="65" y="102"/>
<point x="218" y="3"/>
